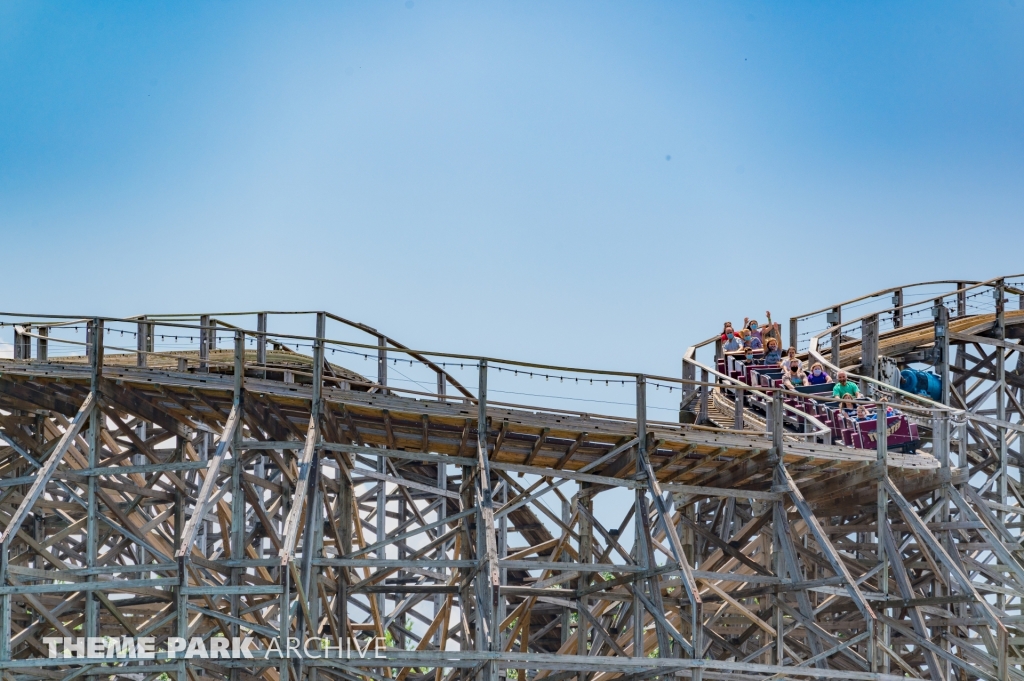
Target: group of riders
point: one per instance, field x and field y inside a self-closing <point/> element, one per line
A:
<point x="762" y="345"/>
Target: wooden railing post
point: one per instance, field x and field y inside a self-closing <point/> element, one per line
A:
<point x="22" y="344"/>
<point x="869" y="346"/>
<point x="941" y="441"/>
<point x="835" y="319"/>
<point x="43" y="344"/>
<point x="941" y="314"/>
<point x="737" y="422"/>
<point x="702" y="415"/>
<point x="261" y="341"/>
<point x="144" y="343"/>
<point x="382" y="364"/>
<point x="775" y="423"/>
<point x="1000" y="295"/>
<point x="204" y="343"/>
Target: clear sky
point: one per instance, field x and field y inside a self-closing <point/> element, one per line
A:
<point x="589" y="183"/>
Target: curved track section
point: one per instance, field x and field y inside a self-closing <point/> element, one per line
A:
<point x="244" y="482"/>
<point x="970" y="421"/>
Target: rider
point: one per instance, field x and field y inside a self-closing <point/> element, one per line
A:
<point x="791" y="357"/>
<point x="795" y="376"/>
<point x="732" y="341"/>
<point x="845" y="390"/>
<point x="755" y="329"/>
<point x="772" y="354"/>
<point x="818" y="375"/>
<point x="770" y="330"/>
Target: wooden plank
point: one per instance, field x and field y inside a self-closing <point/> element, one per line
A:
<point x="373" y="475"/>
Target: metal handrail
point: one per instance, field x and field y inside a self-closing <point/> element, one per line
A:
<point x="882" y="292"/>
<point x="956" y="414"/>
<point x="813" y="352"/>
<point x="420" y="355"/>
<point x="920" y="303"/>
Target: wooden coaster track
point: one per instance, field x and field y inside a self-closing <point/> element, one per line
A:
<point x="259" y="490"/>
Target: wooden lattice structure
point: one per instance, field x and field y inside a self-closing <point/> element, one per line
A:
<point x="265" y="490"/>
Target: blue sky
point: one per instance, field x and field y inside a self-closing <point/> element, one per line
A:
<point x="592" y="183"/>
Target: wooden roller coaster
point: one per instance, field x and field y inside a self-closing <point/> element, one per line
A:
<point x="186" y="477"/>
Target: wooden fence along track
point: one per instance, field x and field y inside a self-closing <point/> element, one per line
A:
<point x="267" y="491"/>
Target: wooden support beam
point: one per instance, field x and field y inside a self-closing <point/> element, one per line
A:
<point x="203" y="499"/>
<point x="48" y="469"/>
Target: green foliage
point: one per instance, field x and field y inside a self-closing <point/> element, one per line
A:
<point x="389" y="638"/>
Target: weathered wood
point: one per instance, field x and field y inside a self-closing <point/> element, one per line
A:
<point x="390" y="525"/>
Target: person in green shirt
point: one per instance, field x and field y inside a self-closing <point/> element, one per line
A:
<point x="845" y="390"/>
